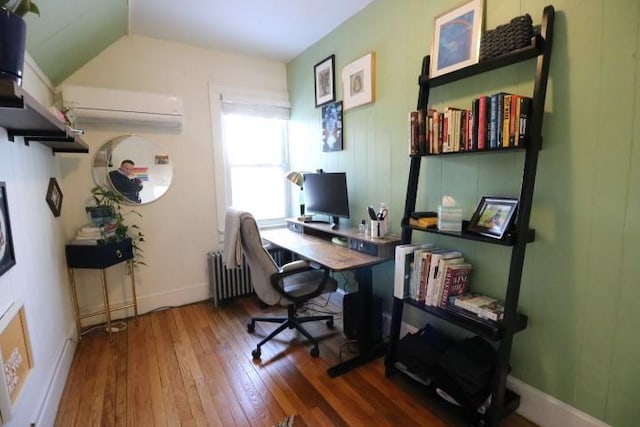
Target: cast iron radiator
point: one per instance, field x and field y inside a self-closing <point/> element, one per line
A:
<point x="234" y="282"/>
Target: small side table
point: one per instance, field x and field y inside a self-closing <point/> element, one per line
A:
<point x="100" y="257"/>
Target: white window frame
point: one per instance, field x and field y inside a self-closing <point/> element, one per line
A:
<point x="260" y="98"/>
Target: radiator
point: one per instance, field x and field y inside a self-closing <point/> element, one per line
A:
<point x="228" y="282"/>
<point x="234" y="282"/>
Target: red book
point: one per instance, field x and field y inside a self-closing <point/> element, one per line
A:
<point x="482" y="122"/>
<point x="456" y="281"/>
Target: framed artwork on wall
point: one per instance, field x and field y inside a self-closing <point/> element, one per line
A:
<point x="16" y="355"/>
<point x="324" y="77"/>
<point x="358" y="81"/>
<point x="493" y="216"/>
<point x="456" y="39"/>
<point x="332" y="127"/>
<point x="7" y="255"/>
<point x="54" y="197"/>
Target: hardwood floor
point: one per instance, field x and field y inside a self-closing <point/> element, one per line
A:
<point x="192" y="366"/>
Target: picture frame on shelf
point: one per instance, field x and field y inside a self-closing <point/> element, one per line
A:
<point x="54" y="197"/>
<point x="493" y="216"/>
<point x="456" y="39"/>
<point x="7" y="254"/>
<point x="324" y="77"/>
<point x="358" y="81"/>
<point x="332" y="127"/>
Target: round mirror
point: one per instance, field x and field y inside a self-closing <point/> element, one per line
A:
<point x="133" y="166"/>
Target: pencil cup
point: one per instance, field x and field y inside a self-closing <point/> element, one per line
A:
<point x="376" y="228"/>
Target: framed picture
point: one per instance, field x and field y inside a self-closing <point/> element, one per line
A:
<point x="324" y="72"/>
<point x="16" y="355"/>
<point x="456" y="39"/>
<point x="332" y="127"/>
<point x="493" y="216"/>
<point x="358" y="81"/>
<point x="54" y="197"/>
<point x="7" y="255"/>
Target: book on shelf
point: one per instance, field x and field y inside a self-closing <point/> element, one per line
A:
<point x="414" y="147"/>
<point x="482" y="305"/>
<point x="437" y="258"/>
<point x="423" y="219"/>
<point x="403" y="271"/>
<point x="424" y="222"/>
<point x="470" y="315"/>
<point x="443" y="265"/>
<point x="456" y="281"/>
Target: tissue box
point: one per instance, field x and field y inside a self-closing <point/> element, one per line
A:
<point x="450" y="218"/>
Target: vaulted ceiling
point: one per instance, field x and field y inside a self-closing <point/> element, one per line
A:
<point x="68" y="33"/>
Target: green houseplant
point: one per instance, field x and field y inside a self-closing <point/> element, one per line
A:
<point x="106" y="208"/>
<point x="13" y="37"/>
<point x="20" y="7"/>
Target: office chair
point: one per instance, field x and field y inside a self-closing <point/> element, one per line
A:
<point x="292" y="285"/>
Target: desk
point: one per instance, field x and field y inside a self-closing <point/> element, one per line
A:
<point x="312" y="241"/>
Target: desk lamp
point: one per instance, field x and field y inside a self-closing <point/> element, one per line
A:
<point x="297" y="178"/>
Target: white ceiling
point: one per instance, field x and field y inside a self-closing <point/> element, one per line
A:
<point x="270" y="29"/>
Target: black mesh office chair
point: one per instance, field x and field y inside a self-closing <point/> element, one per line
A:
<point x="292" y="284"/>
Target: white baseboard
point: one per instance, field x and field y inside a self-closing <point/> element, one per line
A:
<point x="535" y="405"/>
<point x="546" y="410"/>
<point x="46" y="415"/>
<point x="150" y="302"/>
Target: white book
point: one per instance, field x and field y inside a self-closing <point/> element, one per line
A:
<point x="403" y="268"/>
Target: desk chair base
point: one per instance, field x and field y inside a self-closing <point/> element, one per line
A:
<point x="291" y="321"/>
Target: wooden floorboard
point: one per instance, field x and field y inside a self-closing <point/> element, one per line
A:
<point x="192" y="366"/>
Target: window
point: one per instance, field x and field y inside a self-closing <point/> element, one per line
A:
<point x="256" y="159"/>
<point x="251" y="149"/>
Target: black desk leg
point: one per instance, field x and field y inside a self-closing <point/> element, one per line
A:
<point x="369" y="350"/>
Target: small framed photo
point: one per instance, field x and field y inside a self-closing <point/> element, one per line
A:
<point x="324" y="72"/>
<point x="493" y="216"/>
<point x="54" y="197"/>
<point x="7" y="255"/>
<point x="456" y="39"/>
<point x="332" y="127"/>
<point x="358" y="81"/>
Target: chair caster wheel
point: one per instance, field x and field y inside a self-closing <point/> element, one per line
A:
<point x="256" y="353"/>
<point x="251" y="327"/>
<point x="315" y="352"/>
<point x="330" y="324"/>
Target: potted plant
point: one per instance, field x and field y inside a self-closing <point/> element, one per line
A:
<point x="107" y="210"/>
<point x="13" y="36"/>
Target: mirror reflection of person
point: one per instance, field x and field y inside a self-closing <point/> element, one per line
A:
<point x="124" y="180"/>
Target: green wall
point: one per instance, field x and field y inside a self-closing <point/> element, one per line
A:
<point x="580" y="283"/>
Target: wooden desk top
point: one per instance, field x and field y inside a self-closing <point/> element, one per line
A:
<point x="320" y="250"/>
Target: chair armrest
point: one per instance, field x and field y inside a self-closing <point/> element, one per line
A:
<point x="277" y="278"/>
<point x="295" y="266"/>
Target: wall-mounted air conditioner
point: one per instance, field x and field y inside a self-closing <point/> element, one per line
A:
<point x="123" y="109"/>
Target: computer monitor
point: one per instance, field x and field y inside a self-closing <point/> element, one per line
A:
<point x="326" y="193"/>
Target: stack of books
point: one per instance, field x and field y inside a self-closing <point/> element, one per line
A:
<point x="94" y="235"/>
<point x="476" y="306"/>
<point x="423" y="219"/>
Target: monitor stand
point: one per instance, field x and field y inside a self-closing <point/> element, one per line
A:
<point x="334" y="222"/>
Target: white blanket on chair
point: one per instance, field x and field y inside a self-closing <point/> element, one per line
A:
<point x="232" y="249"/>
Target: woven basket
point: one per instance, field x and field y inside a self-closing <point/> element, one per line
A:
<point x="506" y="38"/>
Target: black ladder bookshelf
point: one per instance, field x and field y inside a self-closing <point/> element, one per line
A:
<point x="503" y="400"/>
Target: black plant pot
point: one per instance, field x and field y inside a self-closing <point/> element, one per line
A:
<point x="13" y="36"/>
